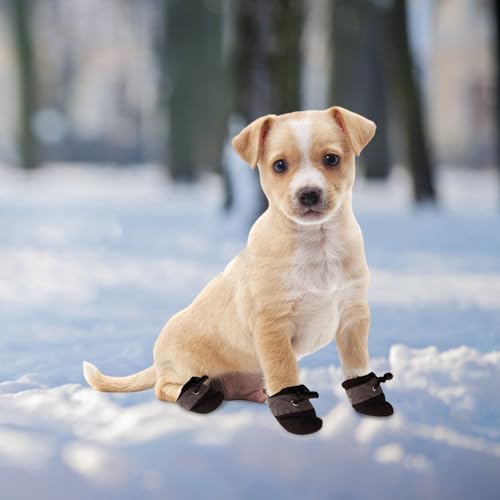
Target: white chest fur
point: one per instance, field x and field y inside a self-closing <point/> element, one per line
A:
<point x="317" y="284"/>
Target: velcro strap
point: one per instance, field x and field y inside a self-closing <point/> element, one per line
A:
<point x="193" y="393"/>
<point x="363" y="392"/>
<point x="284" y="404"/>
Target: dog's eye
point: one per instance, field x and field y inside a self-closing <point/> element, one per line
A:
<point x="280" y="166"/>
<point x="331" y="160"/>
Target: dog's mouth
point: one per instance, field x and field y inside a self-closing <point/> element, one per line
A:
<point x="311" y="213"/>
<point x="315" y="214"/>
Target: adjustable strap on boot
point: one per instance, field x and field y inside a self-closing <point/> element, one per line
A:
<point x="367" y="387"/>
<point x="293" y="411"/>
<point x="366" y="395"/>
<point x="291" y="400"/>
<point x="199" y="397"/>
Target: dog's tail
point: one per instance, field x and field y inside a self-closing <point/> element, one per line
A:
<point x="139" y="381"/>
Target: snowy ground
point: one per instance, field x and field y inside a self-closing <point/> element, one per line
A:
<point x="93" y="261"/>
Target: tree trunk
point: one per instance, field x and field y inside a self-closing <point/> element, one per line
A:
<point x="266" y="59"/>
<point x="496" y="8"/>
<point x="21" y="12"/>
<point x="409" y="105"/>
<point x="194" y="86"/>
<point x="358" y="80"/>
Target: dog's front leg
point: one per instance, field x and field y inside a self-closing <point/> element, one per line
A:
<point x="288" y="401"/>
<point x="273" y="344"/>
<point x="362" y="386"/>
<point x="352" y="340"/>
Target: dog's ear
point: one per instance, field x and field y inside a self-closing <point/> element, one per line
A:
<point x="250" y="141"/>
<point x="359" y="130"/>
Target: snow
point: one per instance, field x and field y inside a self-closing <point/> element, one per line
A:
<point x="94" y="260"/>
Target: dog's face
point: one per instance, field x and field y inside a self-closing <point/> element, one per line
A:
<point x="306" y="159"/>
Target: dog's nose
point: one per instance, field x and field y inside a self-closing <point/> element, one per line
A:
<point x="309" y="196"/>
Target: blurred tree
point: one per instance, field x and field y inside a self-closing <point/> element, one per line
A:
<point x="358" y="36"/>
<point x="409" y="103"/>
<point x="266" y="58"/>
<point x="21" y="13"/>
<point x="496" y="15"/>
<point x="194" y="85"/>
<point x="372" y="60"/>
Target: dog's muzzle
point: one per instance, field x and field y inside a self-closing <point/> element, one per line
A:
<point x="310" y="197"/>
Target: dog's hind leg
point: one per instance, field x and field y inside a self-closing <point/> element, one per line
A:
<point x="167" y="391"/>
<point x="198" y="394"/>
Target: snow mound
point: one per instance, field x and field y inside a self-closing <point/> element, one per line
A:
<point x="447" y="412"/>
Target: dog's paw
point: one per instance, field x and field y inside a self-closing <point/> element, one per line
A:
<point x="199" y="397"/>
<point x="366" y="395"/>
<point x="293" y="411"/>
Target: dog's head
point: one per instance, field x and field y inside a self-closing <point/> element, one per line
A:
<point x="306" y="159"/>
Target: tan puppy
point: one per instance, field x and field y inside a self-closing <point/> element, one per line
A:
<point x="300" y="283"/>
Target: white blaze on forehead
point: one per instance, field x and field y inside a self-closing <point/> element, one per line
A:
<point x="306" y="175"/>
<point x="302" y="132"/>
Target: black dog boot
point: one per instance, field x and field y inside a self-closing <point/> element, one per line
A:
<point x="366" y="395"/>
<point x="199" y="397"/>
<point x="293" y="411"/>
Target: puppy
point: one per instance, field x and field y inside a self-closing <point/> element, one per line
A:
<point x="300" y="283"/>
